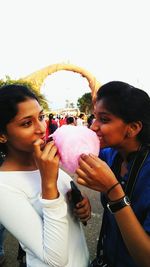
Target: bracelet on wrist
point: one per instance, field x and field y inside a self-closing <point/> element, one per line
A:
<point x="111" y="188"/>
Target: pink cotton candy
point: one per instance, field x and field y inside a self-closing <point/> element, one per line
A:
<point x="72" y="141"/>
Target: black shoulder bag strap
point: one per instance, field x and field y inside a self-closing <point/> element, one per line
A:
<point x="134" y="171"/>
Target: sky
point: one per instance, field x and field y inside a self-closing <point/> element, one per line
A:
<point x="108" y="38"/>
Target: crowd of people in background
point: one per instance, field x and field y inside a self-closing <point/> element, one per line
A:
<point x="55" y="121"/>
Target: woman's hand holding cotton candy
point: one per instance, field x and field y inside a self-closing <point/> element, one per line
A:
<point x="47" y="161"/>
<point x="94" y="173"/>
<point x="72" y="141"/>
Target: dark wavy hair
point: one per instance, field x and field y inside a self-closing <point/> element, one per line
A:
<point x="129" y="103"/>
<point x="10" y="96"/>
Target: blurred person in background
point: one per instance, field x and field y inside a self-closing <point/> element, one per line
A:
<point x="80" y="120"/>
<point x="70" y="121"/>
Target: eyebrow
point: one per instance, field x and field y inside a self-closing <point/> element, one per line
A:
<point x="30" y="116"/>
<point x="104" y="113"/>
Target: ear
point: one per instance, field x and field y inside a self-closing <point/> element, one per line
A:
<point x="135" y="128"/>
<point x="3" y="138"/>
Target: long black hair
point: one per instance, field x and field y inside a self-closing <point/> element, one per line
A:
<point x="129" y="103"/>
<point x="10" y="96"/>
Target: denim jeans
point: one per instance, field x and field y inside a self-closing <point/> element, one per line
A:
<point x="2" y="236"/>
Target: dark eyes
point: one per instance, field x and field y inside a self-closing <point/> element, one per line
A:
<point x="29" y="122"/>
<point x="104" y="119"/>
<point x="42" y="117"/>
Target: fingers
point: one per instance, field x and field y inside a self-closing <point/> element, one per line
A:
<point x="84" y="166"/>
<point x="89" y="167"/>
<point x="83" y="210"/>
<point x="82" y="182"/>
<point x="85" y="170"/>
<point x="83" y="216"/>
<point x="88" y="163"/>
<point x="90" y="160"/>
<point x="37" y="148"/>
<point x="83" y="203"/>
<point x="50" y="150"/>
<point x="84" y="176"/>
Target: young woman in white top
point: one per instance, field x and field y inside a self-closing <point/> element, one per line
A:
<point x="33" y="202"/>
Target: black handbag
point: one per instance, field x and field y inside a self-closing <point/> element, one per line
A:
<point x="137" y="164"/>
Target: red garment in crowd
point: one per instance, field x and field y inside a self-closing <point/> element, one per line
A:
<point x="62" y="122"/>
<point x="48" y="132"/>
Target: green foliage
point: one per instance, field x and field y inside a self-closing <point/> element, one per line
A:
<point x="85" y="104"/>
<point x="30" y="85"/>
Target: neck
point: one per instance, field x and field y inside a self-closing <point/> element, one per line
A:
<point x="131" y="147"/>
<point x="19" y="161"/>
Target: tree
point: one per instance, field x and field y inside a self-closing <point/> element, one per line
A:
<point x="41" y="97"/>
<point x="85" y="104"/>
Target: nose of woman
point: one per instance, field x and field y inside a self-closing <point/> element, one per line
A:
<point x="95" y="126"/>
<point x="40" y="127"/>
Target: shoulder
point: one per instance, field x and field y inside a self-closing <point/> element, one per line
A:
<point x="25" y="182"/>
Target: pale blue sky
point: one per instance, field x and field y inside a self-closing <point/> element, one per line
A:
<point x="108" y="38"/>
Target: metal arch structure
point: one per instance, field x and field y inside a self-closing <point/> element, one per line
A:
<point x="37" y="78"/>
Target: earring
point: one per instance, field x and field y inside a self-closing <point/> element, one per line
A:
<point x="3" y="140"/>
<point x="128" y="134"/>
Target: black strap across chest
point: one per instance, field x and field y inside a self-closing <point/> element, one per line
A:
<point x="137" y="164"/>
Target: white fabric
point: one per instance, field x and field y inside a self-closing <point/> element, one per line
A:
<point x="80" y="122"/>
<point x="45" y="228"/>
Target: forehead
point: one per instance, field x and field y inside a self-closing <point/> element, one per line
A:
<point x="28" y="108"/>
<point x="100" y="108"/>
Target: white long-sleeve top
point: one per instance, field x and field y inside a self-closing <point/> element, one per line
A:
<point x="46" y="229"/>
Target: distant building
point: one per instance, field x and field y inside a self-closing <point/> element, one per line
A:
<point x="67" y="111"/>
